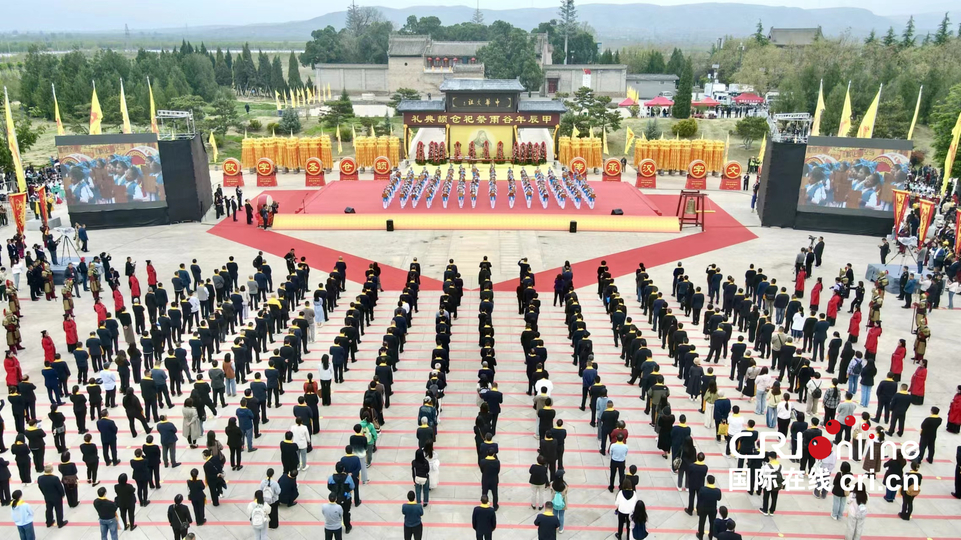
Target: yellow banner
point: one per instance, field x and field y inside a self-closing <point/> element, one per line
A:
<point x="153" y="110"/>
<point x="818" y="111"/>
<point x="123" y="110"/>
<point x="56" y="112"/>
<point x="12" y="143"/>
<point x="96" y="114"/>
<point x="866" y="129"/>
<point x="845" y="126"/>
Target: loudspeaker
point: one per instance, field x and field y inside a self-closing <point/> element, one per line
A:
<point x="390" y="225"/>
<point x="617" y="212"/>
<point x="349" y="210"/>
<point x="573" y="226"/>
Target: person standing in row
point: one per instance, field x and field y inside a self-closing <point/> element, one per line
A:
<point x="413" y="514"/>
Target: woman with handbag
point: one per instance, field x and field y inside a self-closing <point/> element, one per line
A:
<point x="178" y="516"/>
<point x="68" y="475"/>
<point x="420" y="472"/>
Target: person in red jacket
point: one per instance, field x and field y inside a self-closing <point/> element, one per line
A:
<point x="70" y="329"/>
<point x="117" y="300"/>
<point x="897" y="360"/>
<point x="12" y="367"/>
<point x="871" y="343"/>
<point x="854" y="327"/>
<point x="134" y="288"/>
<point x="954" y="417"/>
<point x="151" y="275"/>
<point x="917" y="383"/>
<point x="799" y="283"/>
<point x="49" y="349"/>
<point x="816" y="294"/>
<point x="833" y="305"/>
<point x="101" y="312"/>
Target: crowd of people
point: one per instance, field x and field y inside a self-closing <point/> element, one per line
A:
<point x="796" y="372"/>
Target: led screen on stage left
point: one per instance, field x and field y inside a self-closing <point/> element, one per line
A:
<point x="111" y="172"/>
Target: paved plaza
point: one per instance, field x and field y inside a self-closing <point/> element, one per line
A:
<point x="590" y="514"/>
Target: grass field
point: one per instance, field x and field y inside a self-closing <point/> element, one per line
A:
<point x="266" y="113"/>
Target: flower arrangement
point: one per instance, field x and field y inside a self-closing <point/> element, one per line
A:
<point x="419" y="157"/>
<point x="499" y="156"/>
<point x="457" y="155"/>
<point x="471" y="152"/>
<point x="486" y="151"/>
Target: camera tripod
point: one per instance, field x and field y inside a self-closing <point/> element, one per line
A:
<point x="66" y="246"/>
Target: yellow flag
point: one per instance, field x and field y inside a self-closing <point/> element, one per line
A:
<point x="310" y="96"/>
<point x="556" y="129"/>
<point x="56" y="112"/>
<point x="592" y="133"/>
<point x="604" y="143"/>
<point x="372" y="134"/>
<point x="123" y="110"/>
<point x="948" y="160"/>
<point x="13" y="145"/>
<point x="917" y="107"/>
<point x="153" y="110"/>
<point x="353" y="136"/>
<point x="277" y="99"/>
<point x="845" y="126"/>
<point x="213" y="145"/>
<point x="340" y="147"/>
<point x="328" y="92"/>
<point x="760" y="154"/>
<point x="643" y="136"/>
<point x="629" y="140"/>
<point x="727" y="146"/>
<point x="574" y="133"/>
<point x="96" y="113"/>
<point x="866" y="129"/>
<point x="818" y="110"/>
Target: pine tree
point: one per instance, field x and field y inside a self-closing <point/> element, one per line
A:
<point x="685" y="87"/>
<point x="617" y="57"/>
<point x="293" y="72"/>
<point x="568" y="15"/>
<point x="221" y="72"/>
<point x="927" y="40"/>
<point x="263" y="71"/>
<point x="907" y="37"/>
<point x="309" y="84"/>
<point x="277" y="75"/>
<point x="872" y="38"/>
<point x="478" y="17"/>
<point x="229" y="59"/>
<point x="759" y="36"/>
<point x="889" y="38"/>
<point x="943" y="34"/>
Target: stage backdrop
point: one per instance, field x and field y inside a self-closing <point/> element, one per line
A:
<point x="113" y="180"/>
<point x="479" y="134"/>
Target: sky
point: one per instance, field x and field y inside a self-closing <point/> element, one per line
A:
<point x="109" y="15"/>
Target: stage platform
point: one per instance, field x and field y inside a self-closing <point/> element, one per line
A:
<point x="323" y="209"/>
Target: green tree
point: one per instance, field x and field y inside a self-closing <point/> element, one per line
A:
<point x="194" y="104"/>
<point x="277" y="82"/>
<point x="568" y="15"/>
<point x="27" y="136"/>
<point x="290" y="122"/>
<point x="617" y="57"/>
<point x="510" y="55"/>
<point x="293" y="72"/>
<point x="944" y="33"/>
<point x="607" y="57"/>
<point x="402" y="94"/>
<point x="676" y="64"/>
<point x="338" y="111"/>
<point x="223" y="112"/>
<point x="908" y="37"/>
<point x="685" y="89"/>
<point x="478" y="17"/>
<point x="309" y="84"/>
<point x="229" y="59"/>
<point x="531" y="75"/>
<point x="587" y="110"/>
<point x="263" y="72"/>
<point x="750" y="129"/>
<point x="943" y="120"/>
<point x="323" y="48"/>
<point x="894" y="117"/>
<point x="652" y="130"/>
<point x="655" y="63"/>
<point x="222" y="72"/>
<point x="889" y="39"/>
<point x="871" y="39"/>
<point x="685" y="128"/>
<point x="759" y="36"/>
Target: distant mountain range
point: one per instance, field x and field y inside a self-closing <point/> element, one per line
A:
<point x="614" y="24"/>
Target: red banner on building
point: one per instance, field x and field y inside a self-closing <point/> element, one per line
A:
<point x="926" y="212"/>
<point x="233" y="173"/>
<point x="18" y="205"/>
<point x="314" y="169"/>
<point x="646" y="174"/>
<point x="901" y="200"/>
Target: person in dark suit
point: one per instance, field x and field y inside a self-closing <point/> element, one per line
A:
<point x="126" y="500"/>
<point x="696" y="474"/>
<point x="213" y="474"/>
<point x="707" y="498"/>
<point x="729" y="534"/>
<point x="108" y="437"/>
<point x="197" y="496"/>
<point x="929" y="434"/>
<point x="141" y="475"/>
<point x="53" y="493"/>
<point x="490" y="476"/>
<point x="484" y="520"/>
<point x="178" y="516"/>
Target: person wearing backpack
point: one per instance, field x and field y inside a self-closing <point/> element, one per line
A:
<point x="560" y="500"/>
<point x="271" y="490"/>
<point x="910" y="488"/>
<point x="854" y="372"/>
<point x="341" y="485"/>
<point x="257" y="514"/>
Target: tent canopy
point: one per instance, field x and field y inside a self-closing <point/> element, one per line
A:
<point x="749" y="98"/>
<point x="659" y="101"/>
<point x="708" y="101"/>
<point x="627" y="103"/>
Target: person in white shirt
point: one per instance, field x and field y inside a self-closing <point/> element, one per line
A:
<point x="797" y="325"/>
<point x="302" y="438"/>
<point x="543" y="383"/>
<point x="953" y="289"/>
<point x="760" y="390"/>
<point x="735" y="425"/>
<point x="108" y="381"/>
<point x="784" y="411"/>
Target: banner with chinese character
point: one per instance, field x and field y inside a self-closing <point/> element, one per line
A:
<point x="731" y="178"/>
<point x="646" y="174"/>
<point x="480" y="119"/>
<point x="696" y="175"/>
<point x="18" y="206"/>
<point x="381" y="168"/>
<point x="266" y="173"/>
<point x="612" y="170"/>
<point x="314" y="169"/>
<point x="348" y="169"/>
<point x="901" y="200"/>
<point x="233" y="173"/>
<point x="42" y="203"/>
<point x="926" y="212"/>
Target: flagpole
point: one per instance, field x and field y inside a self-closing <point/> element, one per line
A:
<point x="917" y="108"/>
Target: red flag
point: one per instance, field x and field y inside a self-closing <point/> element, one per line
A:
<point x="926" y="213"/>
<point x="18" y="204"/>
<point x="42" y="201"/>
<point x="901" y="199"/>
